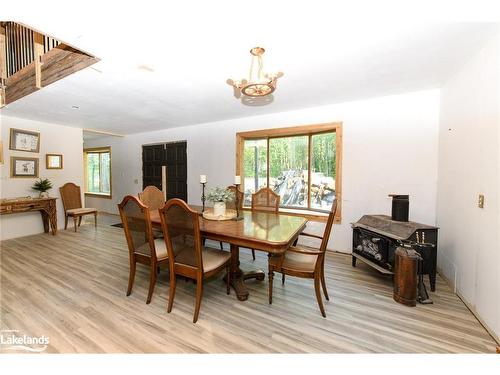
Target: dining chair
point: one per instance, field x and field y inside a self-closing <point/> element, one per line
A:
<point x="153" y="197"/>
<point x="265" y="200"/>
<point x="142" y="246"/>
<point x="305" y="263"/>
<point x="71" y="197"/>
<point x="187" y="257"/>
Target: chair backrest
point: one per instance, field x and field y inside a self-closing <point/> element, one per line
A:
<point x="71" y="196"/>
<point x="137" y="226"/>
<point x="265" y="200"/>
<point x="181" y="230"/>
<point x="232" y="204"/>
<point x="152" y="197"/>
<point x="328" y="227"/>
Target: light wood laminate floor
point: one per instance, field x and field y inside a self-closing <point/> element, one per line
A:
<point x="71" y="288"/>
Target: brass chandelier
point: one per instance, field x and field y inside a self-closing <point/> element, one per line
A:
<point x="258" y="83"/>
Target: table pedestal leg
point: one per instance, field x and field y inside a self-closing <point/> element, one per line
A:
<point x="238" y="276"/>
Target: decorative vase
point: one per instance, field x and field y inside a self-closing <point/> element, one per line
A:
<point x="44" y="194"/>
<point x="220" y="208"/>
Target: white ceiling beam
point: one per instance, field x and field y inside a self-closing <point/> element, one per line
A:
<point x="103" y="132"/>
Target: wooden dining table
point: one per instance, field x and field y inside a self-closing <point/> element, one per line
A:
<point x="270" y="232"/>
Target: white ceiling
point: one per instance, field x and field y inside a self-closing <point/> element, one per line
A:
<point x="192" y="47"/>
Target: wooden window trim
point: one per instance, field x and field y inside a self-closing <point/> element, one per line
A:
<point x="97" y="150"/>
<point x="301" y="130"/>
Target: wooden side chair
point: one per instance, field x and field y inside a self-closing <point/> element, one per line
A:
<point x="305" y="263"/>
<point x="187" y="257"/>
<point x="232" y="204"/>
<point x="152" y="197"/>
<point x="265" y="200"/>
<point x="142" y="246"/>
<point x="72" y="203"/>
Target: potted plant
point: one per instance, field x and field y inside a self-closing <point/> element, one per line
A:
<point x="220" y="196"/>
<point x="43" y="186"/>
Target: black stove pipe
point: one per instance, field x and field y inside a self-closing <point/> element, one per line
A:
<point x="400" y="207"/>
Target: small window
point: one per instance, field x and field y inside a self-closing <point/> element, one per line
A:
<point x="97" y="164"/>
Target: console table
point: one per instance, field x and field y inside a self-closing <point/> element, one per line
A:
<point x="46" y="206"/>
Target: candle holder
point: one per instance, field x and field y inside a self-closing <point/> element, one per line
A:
<point x="203" y="198"/>
<point x="237" y="202"/>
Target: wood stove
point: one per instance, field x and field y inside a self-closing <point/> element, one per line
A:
<point x="376" y="237"/>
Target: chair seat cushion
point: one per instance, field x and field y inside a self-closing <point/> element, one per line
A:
<point x="296" y="261"/>
<point x="160" y="247"/>
<point x="80" y="211"/>
<point x="212" y="259"/>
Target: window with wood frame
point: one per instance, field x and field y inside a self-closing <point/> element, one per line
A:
<point x="97" y="167"/>
<point x="302" y="164"/>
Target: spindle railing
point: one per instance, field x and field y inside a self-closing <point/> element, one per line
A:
<point x="20" y="46"/>
<point x="30" y="60"/>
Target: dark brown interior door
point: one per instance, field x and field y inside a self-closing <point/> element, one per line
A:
<point x="153" y="157"/>
<point x="173" y="156"/>
<point x="176" y="162"/>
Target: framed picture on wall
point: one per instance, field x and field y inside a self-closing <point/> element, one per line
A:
<point x="54" y="161"/>
<point x="24" y="140"/>
<point x="23" y="167"/>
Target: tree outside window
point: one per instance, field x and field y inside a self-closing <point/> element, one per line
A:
<point x="301" y="168"/>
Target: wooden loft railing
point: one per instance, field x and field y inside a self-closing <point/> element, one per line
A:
<point x="20" y="44"/>
<point x="30" y="60"/>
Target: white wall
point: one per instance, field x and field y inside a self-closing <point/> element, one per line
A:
<point x="469" y="165"/>
<point x="54" y="139"/>
<point x="390" y="146"/>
